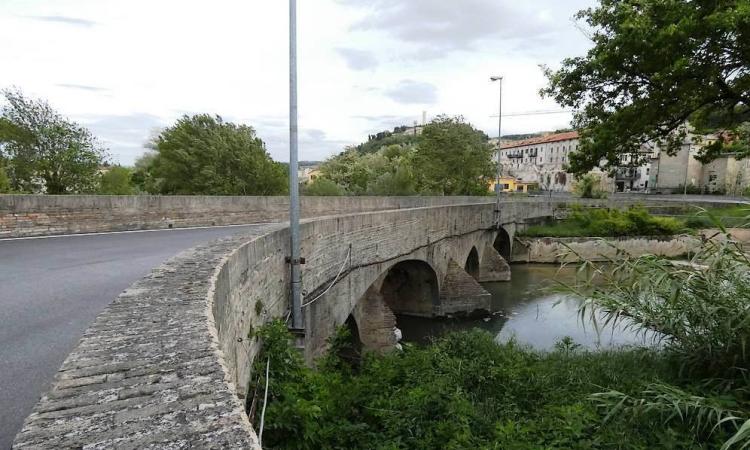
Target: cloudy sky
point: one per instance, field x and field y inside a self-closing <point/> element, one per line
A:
<point x="127" y="68"/>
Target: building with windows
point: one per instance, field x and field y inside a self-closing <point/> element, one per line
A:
<point x="540" y="161"/>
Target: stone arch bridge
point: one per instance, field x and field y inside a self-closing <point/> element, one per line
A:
<point x="167" y="364"/>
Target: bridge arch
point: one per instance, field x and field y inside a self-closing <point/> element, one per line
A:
<point x="471" y="266"/>
<point x="411" y="287"/>
<point x="503" y="243"/>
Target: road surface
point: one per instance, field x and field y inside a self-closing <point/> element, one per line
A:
<point x="51" y="289"/>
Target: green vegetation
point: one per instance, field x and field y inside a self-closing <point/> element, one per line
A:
<point x="737" y="216"/>
<point x="655" y="64"/>
<point x="203" y="154"/>
<point x="44" y="152"/>
<point x="604" y="222"/>
<point x="463" y="391"/>
<point x="4" y="181"/>
<point x="589" y="186"/>
<point x="466" y="391"/>
<point x="701" y="307"/>
<point x="116" y="181"/>
<point x="323" y="188"/>
<point x="450" y="157"/>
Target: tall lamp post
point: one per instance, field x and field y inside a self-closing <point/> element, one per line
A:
<point x="499" y="136"/>
<point x="294" y="258"/>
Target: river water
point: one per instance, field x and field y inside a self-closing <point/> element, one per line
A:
<point x="525" y="309"/>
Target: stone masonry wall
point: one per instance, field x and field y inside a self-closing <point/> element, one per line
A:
<point x="41" y="215"/>
<point x="149" y="373"/>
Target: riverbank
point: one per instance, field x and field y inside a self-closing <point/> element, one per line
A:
<point x="591" y="248"/>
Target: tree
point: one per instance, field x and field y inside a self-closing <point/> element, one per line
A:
<point x="116" y="181"/>
<point x="4" y="181"/>
<point x="322" y="187"/>
<point x="453" y="158"/>
<point x="203" y="154"/>
<point x="655" y="64"/>
<point x="46" y="152"/>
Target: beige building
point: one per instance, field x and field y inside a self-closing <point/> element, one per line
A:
<point x="540" y="161"/>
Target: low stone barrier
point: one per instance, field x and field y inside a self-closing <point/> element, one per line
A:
<point x="41" y="215"/>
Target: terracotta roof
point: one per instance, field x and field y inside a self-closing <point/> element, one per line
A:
<point x="543" y="140"/>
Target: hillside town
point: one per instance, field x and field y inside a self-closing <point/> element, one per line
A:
<point x="540" y="164"/>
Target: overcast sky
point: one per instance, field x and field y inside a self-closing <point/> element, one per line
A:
<point x="127" y="68"/>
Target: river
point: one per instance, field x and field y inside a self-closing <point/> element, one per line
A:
<point x="525" y="309"/>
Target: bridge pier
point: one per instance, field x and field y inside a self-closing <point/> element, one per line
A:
<point x="493" y="267"/>
<point x="375" y="321"/>
<point x="461" y="293"/>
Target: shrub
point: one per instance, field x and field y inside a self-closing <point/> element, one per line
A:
<point x="462" y="391"/>
<point x="323" y="187"/>
<point x="602" y="222"/>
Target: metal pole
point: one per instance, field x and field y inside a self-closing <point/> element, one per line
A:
<point x="687" y="167"/>
<point x="294" y="259"/>
<point x="499" y="138"/>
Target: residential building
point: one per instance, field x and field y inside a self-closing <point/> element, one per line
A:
<point x="540" y="160"/>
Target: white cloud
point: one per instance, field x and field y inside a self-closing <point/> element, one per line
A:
<point x="123" y="68"/>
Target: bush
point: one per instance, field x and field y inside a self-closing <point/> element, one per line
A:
<point x="603" y="222"/>
<point x="323" y="187"/>
<point x="462" y="391"/>
<point x="4" y="181"/>
<point x="589" y="186"/>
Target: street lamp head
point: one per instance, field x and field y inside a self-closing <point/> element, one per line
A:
<point x="496" y="78"/>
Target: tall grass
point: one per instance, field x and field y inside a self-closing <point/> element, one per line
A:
<point x="701" y="308"/>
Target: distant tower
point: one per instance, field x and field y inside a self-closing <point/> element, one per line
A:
<point x="424" y="118"/>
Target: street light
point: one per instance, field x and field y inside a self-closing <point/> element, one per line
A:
<point x="294" y="258"/>
<point x="499" y="135"/>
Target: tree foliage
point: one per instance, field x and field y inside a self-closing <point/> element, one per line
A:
<point x="655" y="64"/>
<point x="46" y="152"/>
<point x="322" y="187"/>
<point x="203" y="154"/>
<point x="450" y="157"/>
<point x="4" y="181"/>
<point x="116" y="181"/>
<point x="453" y="158"/>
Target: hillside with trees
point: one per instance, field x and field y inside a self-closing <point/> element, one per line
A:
<point x="449" y="157"/>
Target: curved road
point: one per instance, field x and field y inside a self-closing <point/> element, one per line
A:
<point x="51" y="289"/>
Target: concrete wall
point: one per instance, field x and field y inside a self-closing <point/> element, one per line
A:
<point x="39" y="215"/>
<point x="557" y="250"/>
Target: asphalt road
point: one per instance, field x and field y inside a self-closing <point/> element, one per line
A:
<point x="50" y="291"/>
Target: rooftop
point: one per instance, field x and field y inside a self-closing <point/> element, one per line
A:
<point x="543" y="140"/>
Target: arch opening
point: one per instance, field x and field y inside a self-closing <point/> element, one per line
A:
<point x="348" y="344"/>
<point x="411" y="288"/>
<point x="472" y="263"/>
<point x="502" y="243"/>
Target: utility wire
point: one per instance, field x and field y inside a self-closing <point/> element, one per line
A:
<point x="341" y="270"/>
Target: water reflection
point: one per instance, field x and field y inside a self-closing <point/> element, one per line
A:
<point x="524" y="308"/>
